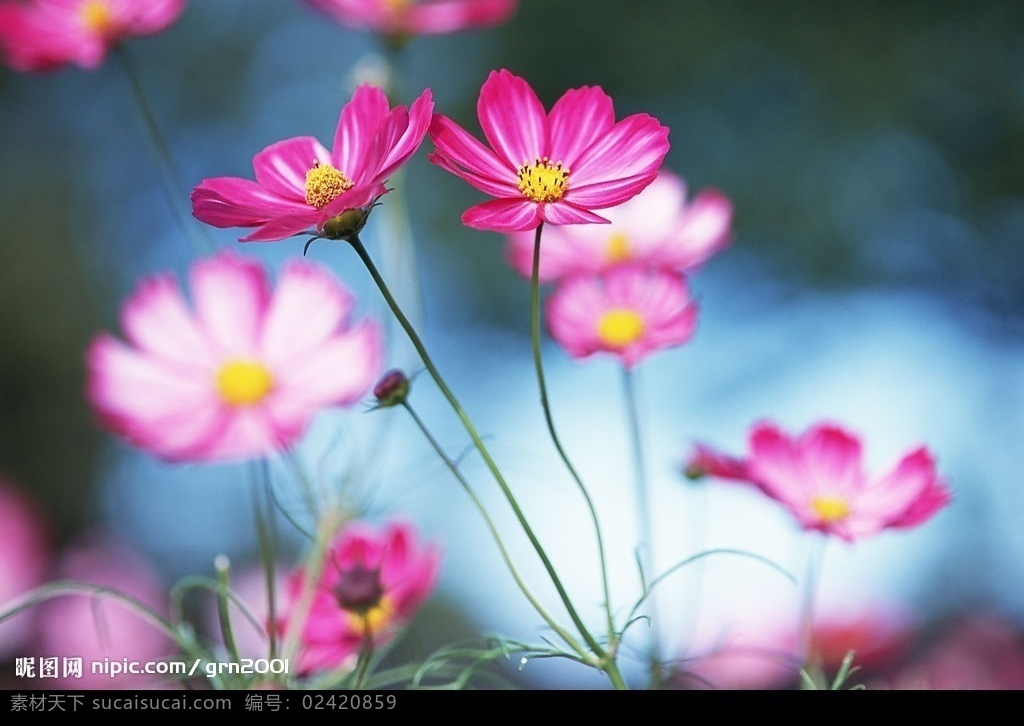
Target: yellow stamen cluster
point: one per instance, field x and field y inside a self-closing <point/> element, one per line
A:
<point x="375" y="619"/>
<point x="831" y="509"/>
<point x="618" y="249"/>
<point x="619" y="327"/>
<point x="324" y="183"/>
<point x="244" y="382"/>
<point x="96" y="16"/>
<point x="543" y="181"/>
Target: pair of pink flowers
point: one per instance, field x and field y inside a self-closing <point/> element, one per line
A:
<point x="819" y="477"/>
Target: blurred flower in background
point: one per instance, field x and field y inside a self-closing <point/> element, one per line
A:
<point x="402" y="18"/>
<point x="42" y="35"/>
<point x="112" y="626"/>
<point x="25" y="553"/>
<point x="243" y="375"/>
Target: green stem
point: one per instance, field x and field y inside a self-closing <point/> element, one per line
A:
<point x="644" y="522"/>
<point x="477" y="443"/>
<point x="174" y="188"/>
<point x="815" y="559"/>
<point x="542" y="385"/>
<point x="453" y="467"/>
<point x="365" y="656"/>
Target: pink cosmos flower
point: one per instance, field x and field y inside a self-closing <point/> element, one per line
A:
<point x="25" y="552"/>
<point x="630" y="312"/>
<point x="240" y="376"/>
<point x="819" y="477"/>
<point x="301" y="187"/>
<point x="372" y="583"/>
<point x="41" y="35"/>
<point x="104" y="627"/>
<point x="548" y="167"/>
<point x="658" y="227"/>
<point x="416" y="17"/>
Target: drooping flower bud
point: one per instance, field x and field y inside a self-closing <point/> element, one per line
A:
<point x="392" y="389"/>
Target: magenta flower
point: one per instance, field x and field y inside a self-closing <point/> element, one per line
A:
<point x="241" y="376"/>
<point x="25" y="551"/>
<point x="104" y="627"/>
<point x="301" y="187"/>
<point x="41" y="35"/>
<point x="657" y="227"/>
<point x="630" y="312"/>
<point x="371" y="584"/>
<point x="819" y="477"/>
<point x="416" y="17"/>
<point x="548" y="167"/>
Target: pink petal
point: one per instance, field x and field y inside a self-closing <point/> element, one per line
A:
<point x="563" y="213"/>
<point x="503" y="215"/>
<point x="446" y="16"/>
<point x="233" y="202"/>
<point x="578" y="119"/>
<point x="157" y="320"/>
<point x="281" y="167"/>
<point x="635" y="146"/>
<point x="512" y="118"/>
<point x="462" y="154"/>
<point x="231" y="294"/>
<point x="831" y="460"/>
<point x="403" y="134"/>
<point x="309" y="306"/>
<point x="358" y="124"/>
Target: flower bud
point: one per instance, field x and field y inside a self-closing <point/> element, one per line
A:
<point x="392" y="388"/>
<point x="347" y="224"/>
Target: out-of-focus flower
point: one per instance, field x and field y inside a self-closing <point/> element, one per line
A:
<point x="41" y="35"/>
<point x="104" y="628"/>
<point x="976" y="652"/>
<point x="24" y="557"/>
<point x="657" y="227"/>
<point x="629" y="311"/>
<point x="416" y="17"/>
<point x="371" y="584"/>
<point x="819" y="477"/>
<point x="301" y="187"/>
<point x="548" y="167"/>
<point x="766" y="651"/>
<point x="241" y="376"/>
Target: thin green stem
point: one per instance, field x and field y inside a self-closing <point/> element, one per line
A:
<point x="174" y="188"/>
<point x="815" y="559"/>
<point x="365" y="656"/>
<point x="477" y="443"/>
<point x="645" y="525"/>
<point x="453" y="467"/>
<point x="542" y="385"/>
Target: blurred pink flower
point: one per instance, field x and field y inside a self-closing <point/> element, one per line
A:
<point x="630" y="312"/>
<point x="103" y="627"/>
<point x="548" y="167"/>
<point x="243" y="375"/>
<point x="657" y="227"/>
<point x="25" y="553"/>
<point x="819" y="477"/>
<point x="977" y="652"/>
<point x="372" y="583"/>
<point x="301" y="187"/>
<point x="416" y="17"/>
<point x="41" y="35"/>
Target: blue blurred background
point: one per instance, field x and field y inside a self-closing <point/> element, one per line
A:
<point x="873" y="152"/>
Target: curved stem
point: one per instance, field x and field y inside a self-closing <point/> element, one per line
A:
<point x="477" y="443"/>
<point x="174" y="189"/>
<point x="542" y="385"/>
<point x="645" y="527"/>
<point x="453" y="467"/>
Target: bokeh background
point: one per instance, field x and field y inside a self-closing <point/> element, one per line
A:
<point x="874" y="155"/>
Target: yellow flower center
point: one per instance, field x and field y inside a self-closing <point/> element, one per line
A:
<point x="244" y="382"/>
<point x="619" y="327"/>
<point x="543" y="181"/>
<point x="96" y="16"/>
<point x="375" y="619"/>
<point x="397" y="6"/>
<point x="830" y="509"/>
<point x="618" y="249"/>
<point x="324" y="183"/>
